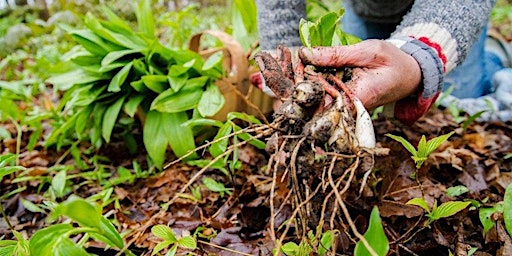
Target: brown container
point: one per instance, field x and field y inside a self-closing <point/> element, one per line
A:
<point x="236" y="87"/>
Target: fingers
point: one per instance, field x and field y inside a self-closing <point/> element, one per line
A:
<point x="363" y="54"/>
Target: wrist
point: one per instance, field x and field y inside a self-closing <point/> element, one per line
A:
<point x="408" y="110"/>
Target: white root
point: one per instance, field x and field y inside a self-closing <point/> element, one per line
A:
<point x="364" y="127"/>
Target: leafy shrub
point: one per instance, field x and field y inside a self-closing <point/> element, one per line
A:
<point x="125" y="74"/>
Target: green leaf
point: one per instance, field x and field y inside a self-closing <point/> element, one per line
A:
<point x="221" y="140"/>
<point x="172" y="251"/>
<point x="290" y="249"/>
<point x="108" y="234"/>
<point x="203" y="122"/>
<point x="117" y="23"/>
<point x="507" y="209"/>
<point x="44" y="240"/>
<point x="164" y="232"/>
<point x="211" y="101"/>
<point x="323" y="31"/>
<point x="110" y="118"/>
<point x="160" y="246"/>
<point x="215" y="186"/>
<point x="156" y="83"/>
<point x="188" y="242"/>
<point x="82" y="120"/>
<point x="419" y="202"/>
<point x="91" y="42"/>
<point x="434" y="143"/>
<point x="448" y="209"/>
<point x="114" y="56"/>
<point x="85" y="213"/>
<point x="65" y="246"/>
<point x="118" y="80"/>
<point x="145" y="18"/>
<point x="375" y="236"/>
<point x="59" y="183"/>
<point x="77" y="76"/>
<point x="196" y="83"/>
<point x="8" y="170"/>
<point x="485" y="216"/>
<point x="177" y="82"/>
<point x="456" y="190"/>
<point x="31" y="206"/>
<point x="326" y="242"/>
<point x="180" y="137"/>
<point x="404" y="143"/>
<point x="131" y="105"/>
<point x="126" y="39"/>
<point x="8" y="250"/>
<point x="247" y="137"/>
<point x="154" y="137"/>
<point x="163" y="129"/>
<point x="177" y="102"/>
<point x="305" y="36"/>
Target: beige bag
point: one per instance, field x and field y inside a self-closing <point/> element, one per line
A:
<point x="236" y="87"/>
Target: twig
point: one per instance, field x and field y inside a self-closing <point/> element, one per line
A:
<point x="224" y="248"/>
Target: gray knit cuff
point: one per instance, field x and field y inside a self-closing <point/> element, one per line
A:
<point x="429" y="61"/>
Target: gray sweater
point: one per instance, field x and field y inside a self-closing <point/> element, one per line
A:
<point x="452" y="24"/>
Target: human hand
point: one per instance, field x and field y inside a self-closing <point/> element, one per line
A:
<point x="382" y="73"/>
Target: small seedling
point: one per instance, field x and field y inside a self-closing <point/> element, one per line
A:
<point x="169" y="238"/>
<point x="306" y="245"/>
<point x="444" y="210"/>
<point x="425" y="148"/>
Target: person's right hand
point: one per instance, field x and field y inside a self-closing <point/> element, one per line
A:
<point x="382" y="72"/>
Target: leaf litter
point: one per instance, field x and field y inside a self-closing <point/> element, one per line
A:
<point x="240" y="223"/>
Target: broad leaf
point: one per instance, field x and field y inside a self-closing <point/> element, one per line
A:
<point x="507" y="209"/>
<point x="448" y="209"/>
<point x="156" y="83"/>
<point x="44" y="240"/>
<point x="108" y="234"/>
<point x="110" y="118"/>
<point x="164" y="232"/>
<point x="59" y="183"/>
<point x="177" y="102"/>
<point x="375" y="236"/>
<point x="154" y="137"/>
<point x="145" y="18"/>
<point x="78" y="76"/>
<point x="221" y="141"/>
<point x="419" y="202"/>
<point x="179" y="136"/>
<point x="85" y="213"/>
<point x="456" y="190"/>
<point x="485" y="216"/>
<point x="118" y="80"/>
<point x="114" y="56"/>
<point x="188" y="242"/>
<point x="326" y="242"/>
<point x="407" y="145"/>
<point x="211" y="101"/>
<point x="65" y="247"/>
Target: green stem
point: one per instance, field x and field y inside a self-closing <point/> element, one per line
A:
<point x="19" y="133"/>
<point x="5" y="217"/>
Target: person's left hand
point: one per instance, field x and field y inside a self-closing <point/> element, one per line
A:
<point x="382" y="72"/>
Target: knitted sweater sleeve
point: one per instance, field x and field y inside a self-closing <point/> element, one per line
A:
<point x="438" y="34"/>
<point x="278" y="22"/>
<point x="450" y="27"/>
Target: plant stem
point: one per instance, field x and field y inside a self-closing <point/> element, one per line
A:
<point x="5" y="217"/>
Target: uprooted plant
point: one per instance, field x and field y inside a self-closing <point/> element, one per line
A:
<point x="323" y="136"/>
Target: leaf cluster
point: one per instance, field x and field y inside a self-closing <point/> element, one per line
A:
<point x="122" y="74"/>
